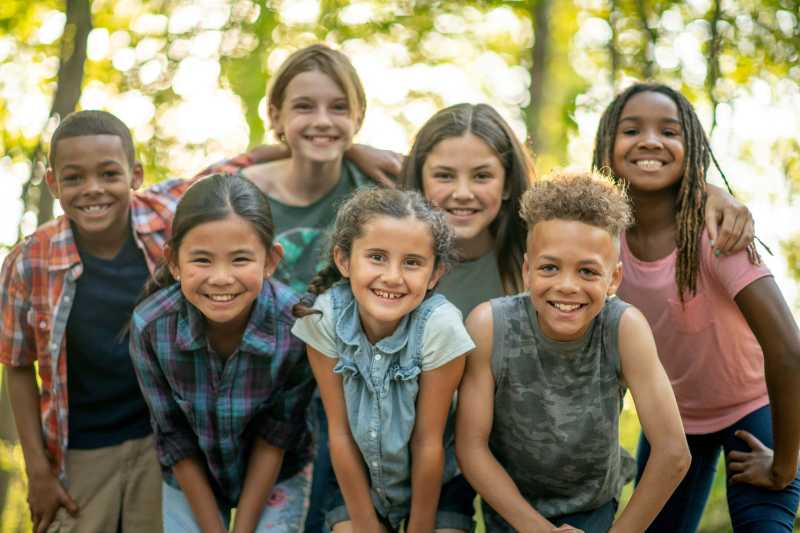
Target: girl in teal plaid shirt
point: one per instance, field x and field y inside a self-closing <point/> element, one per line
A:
<point x="226" y="383"/>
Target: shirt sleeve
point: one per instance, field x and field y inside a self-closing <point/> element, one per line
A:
<point x="734" y="272"/>
<point x="283" y="422"/>
<point x="444" y="338"/>
<point x="318" y="330"/>
<point x="174" y="436"/>
<point x="17" y="341"/>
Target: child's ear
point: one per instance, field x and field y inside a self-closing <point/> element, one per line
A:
<point x="171" y="259"/>
<point x="616" y="279"/>
<point x="437" y="274"/>
<point x="275" y="120"/>
<point x="274" y="256"/>
<point x="342" y="261"/>
<point x="137" y="175"/>
<point x="525" y="270"/>
<point x="52" y="182"/>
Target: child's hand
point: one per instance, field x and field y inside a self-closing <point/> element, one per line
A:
<point x="380" y="165"/>
<point x="46" y="495"/>
<point x="753" y="467"/>
<point x="728" y="222"/>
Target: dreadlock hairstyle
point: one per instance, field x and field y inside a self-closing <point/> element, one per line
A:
<point x="365" y="205"/>
<point x="485" y="123"/>
<point x="690" y="202"/>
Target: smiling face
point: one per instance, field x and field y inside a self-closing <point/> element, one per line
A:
<point x="391" y="267"/>
<point x="221" y="266"/>
<point x="92" y="180"/>
<point x="648" y="146"/>
<point x="315" y="118"/>
<point x="464" y="176"/>
<point x="570" y="268"/>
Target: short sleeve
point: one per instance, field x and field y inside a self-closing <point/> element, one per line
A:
<point x="17" y="346"/>
<point x="734" y="272"/>
<point x="318" y="330"/>
<point x="444" y="338"/>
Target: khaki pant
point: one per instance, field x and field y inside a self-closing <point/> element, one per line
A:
<point x="117" y="488"/>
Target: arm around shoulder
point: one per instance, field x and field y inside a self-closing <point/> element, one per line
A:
<point x="660" y="419"/>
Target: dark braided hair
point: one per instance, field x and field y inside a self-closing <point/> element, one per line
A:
<point x="363" y="206"/>
<point x="691" y="199"/>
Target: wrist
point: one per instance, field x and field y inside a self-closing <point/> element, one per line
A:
<point x="782" y="476"/>
<point x="39" y="468"/>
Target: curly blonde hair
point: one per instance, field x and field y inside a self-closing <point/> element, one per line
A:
<point x="583" y="196"/>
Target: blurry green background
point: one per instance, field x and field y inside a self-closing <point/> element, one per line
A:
<point x="189" y="78"/>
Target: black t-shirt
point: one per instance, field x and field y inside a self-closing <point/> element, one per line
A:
<point x="106" y="406"/>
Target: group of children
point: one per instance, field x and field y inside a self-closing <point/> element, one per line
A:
<point x="180" y="333"/>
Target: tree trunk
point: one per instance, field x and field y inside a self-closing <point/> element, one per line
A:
<point x="649" y="42"/>
<point x="540" y="13"/>
<point x="68" y="86"/>
<point x="613" y="52"/>
<point x="712" y="74"/>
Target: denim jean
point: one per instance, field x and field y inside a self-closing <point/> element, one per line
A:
<point x="595" y="521"/>
<point x="752" y="509"/>
<point x="323" y="484"/>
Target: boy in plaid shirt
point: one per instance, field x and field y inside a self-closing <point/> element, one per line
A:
<point x="66" y="295"/>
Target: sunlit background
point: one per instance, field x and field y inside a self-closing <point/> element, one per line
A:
<point x="188" y="77"/>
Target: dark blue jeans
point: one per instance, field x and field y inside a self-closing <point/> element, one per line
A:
<point x="323" y="484"/>
<point x="596" y="521"/>
<point x="752" y="509"/>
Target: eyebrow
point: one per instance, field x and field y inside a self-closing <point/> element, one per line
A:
<point x="637" y="117"/>
<point x="482" y="166"/>
<point x="238" y="251"/>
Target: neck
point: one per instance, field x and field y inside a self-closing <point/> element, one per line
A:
<point x="226" y="337"/>
<point x="308" y="181"/>
<point x="653" y="212"/>
<point x="476" y="247"/>
<point x="107" y="244"/>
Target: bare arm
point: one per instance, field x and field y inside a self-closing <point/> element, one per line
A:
<point x="769" y="318"/>
<point x="45" y="492"/>
<point x="345" y="455"/>
<point x="193" y="481"/>
<point x="658" y="413"/>
<point x="262" y="472"/>
<point x="729" y="223"/>
<point x="436" y="389"/>
<point x="473" y="425"/>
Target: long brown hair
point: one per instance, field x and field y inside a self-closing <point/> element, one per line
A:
<point x="483" y="121"/>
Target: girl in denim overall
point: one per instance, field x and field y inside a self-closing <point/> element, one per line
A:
<point x="388" y="354"/>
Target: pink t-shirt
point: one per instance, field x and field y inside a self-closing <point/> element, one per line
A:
<point x="711" y="356"/>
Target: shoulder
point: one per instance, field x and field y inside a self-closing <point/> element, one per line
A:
<point x="34" y="251"/>
<point x="282" y="299"/>
<point x="159" y="305"/>
<point x="734" y="272"/>
<point x="268" y="176"/>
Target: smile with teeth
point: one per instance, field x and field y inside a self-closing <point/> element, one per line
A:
<point x="387" y="295"/>
<point x="566" y="307"/>
<point x="649" y="164"/>
<point x="321" y="138"/>
<point x="95" y="208"/>
<point x="461" y="211"/>
<point x="220" y="297"/>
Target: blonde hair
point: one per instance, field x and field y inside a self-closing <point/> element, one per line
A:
<point x="582" y="196"/>
<point x="333" y="64"/>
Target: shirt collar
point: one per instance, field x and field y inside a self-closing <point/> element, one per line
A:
<point x="259" y="335"/>
<point x="348" y="325"/>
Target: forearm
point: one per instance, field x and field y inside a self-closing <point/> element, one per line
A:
<point x="193" y="481"/>
<point x="497" y="489"/>
<point x="427" y="465"/>
<point x="24" y="394"/>
<point x="262" y="472"/>
<point x="783" y="382"/>
<point x="664" y="470"/>
<point x="352" y="478"/>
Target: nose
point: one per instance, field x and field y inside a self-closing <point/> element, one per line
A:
<point x="220" y="275"/>
<point x="322" y="119"/>
<point x="651" y="140"/>
<point x="567" y="283"/>
<point x="94" y="185"/>
<point x="392" y="274"/>
<point x="462" y="189"/>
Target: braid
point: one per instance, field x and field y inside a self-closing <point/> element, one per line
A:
<point x="321" y="282"/>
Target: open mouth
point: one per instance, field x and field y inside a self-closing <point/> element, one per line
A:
<point x="94" y="209"/>
<point x="462" y="211"/>
<point x="387" y="295"/>
<point x="220" y="298"/>
<point x="566" y="307"/>
<point x="649" y="164"/>
<point x="321" y="139"/>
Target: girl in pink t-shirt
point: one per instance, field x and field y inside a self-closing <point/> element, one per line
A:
<point x="724" y="332"/>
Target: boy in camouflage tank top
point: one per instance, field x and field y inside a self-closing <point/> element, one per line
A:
<point x="537" y="431"/>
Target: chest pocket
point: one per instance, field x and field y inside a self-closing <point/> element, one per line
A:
<point x="693" y="315"/>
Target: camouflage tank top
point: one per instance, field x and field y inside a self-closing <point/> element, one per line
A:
<point x="556" y="411"/>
